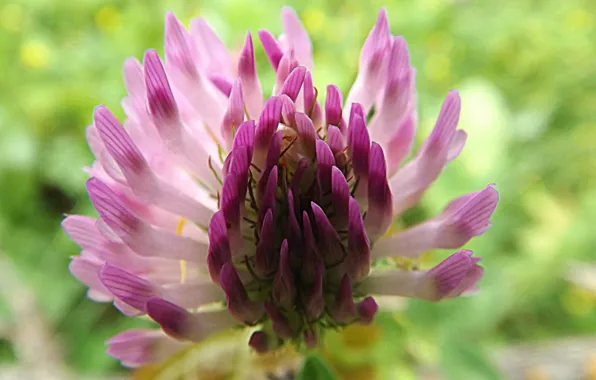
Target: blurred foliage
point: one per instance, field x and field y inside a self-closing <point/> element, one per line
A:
<point x="527" y="77"/>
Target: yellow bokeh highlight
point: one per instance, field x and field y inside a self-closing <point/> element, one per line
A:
<point x="35" y="54"/>
<point x="314" y="19"/>
<point x="108" y="19"/>
<point x="12" y="17"/>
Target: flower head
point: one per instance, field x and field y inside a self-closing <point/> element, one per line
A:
<point x="272" y="210"/>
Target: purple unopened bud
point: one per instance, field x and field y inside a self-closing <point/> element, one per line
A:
<point x="340" y="196"/>
<point x="279" y="321"/>
<point x="366" y="309"/>
<point x="358" y="144"/>
<point x="267" y="200"/>
<point x="173" y="319"/>
<point x="310" y="338"/>
<point x="219" y="246"/>
<point x="310" y="94"/>
<point x="284" y="286"/>
<point x="311" y="259"/>
<point x="265" y="255"/>
<point x="266" y="126"/>
<point x="380" y="199"/>
<point x="234" y="115"/>
<point x="307" y="133"/>
<point x="239" y="305"/>
<point x="343" y="310"/>
<point x="271" y="47"/>
<point x="293" y="83"/>
<point x="329" y="239"/>
<point x="313" y="298"/>
<point x="288" y="111"/>
<point x="358" y="257"/>
<point x="333" y="108"/>
<point x="259" y="341"/>
<point x="325" y="162"/>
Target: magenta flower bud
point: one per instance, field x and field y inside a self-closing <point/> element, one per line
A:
<point x="379" y="215"/>
<point x="219" y="247"/>
<point x="336" y="142"/>
<point x="271" y="47"/>
<point x="271" y="159"/>
<point x="234" y="115"/>
<point x="307" y="133"/>
<point x="309" y="266"/>
<point x="259" y="341"/>
<point x="268" y="198"/>
<point x="333" y="105"/>
<point x="310" y="338"/>
<point x="313" y="297"/>
<point x="265" y="255"/>
<point x="288" y="111"/>
<point x="359" y="144"/>
<point x="181" y="324"/>
<point x="366" y="309"/>
<point x="277" y="207"/>
<point x="239" y="305"/>
<point x="245" y="136"/>
<point x="266" y="127"/>
<point x="293" y="83"/>
<point x="309" y="96"/>
<point x="344" y="310"/>
<point x="174" y="320"/>
<point x="340" y="196"/>
<point x="284" y="287"/>
<point x="329" y="240"/>
<point x="325" y="162"/>
<point x="279" y="322"/>
<point x="358" y="256"/>
<point x="286" y="65"/>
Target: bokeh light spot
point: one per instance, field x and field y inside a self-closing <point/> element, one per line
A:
<point x="35" y="54"/>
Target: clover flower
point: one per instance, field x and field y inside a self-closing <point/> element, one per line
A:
<point x="220" y="209"/>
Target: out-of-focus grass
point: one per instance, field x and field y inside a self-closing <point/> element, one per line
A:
<point x="528" y="83"/>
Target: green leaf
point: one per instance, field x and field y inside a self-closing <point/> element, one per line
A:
<point x="315" y="369"/>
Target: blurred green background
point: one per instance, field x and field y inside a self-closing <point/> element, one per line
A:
<point x="527" y="77"/>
